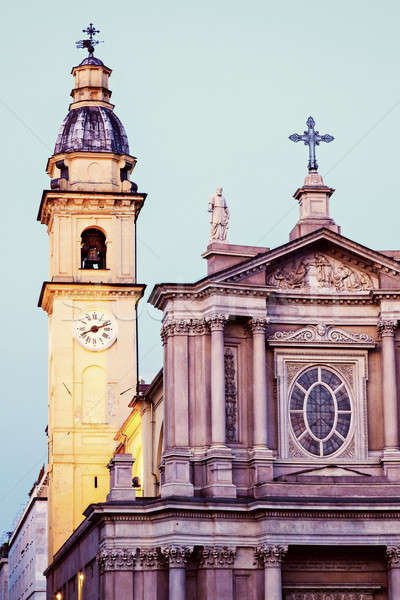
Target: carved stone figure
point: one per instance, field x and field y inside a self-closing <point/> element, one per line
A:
<point x="319" y="271"/>
<point x="219" y="216"/>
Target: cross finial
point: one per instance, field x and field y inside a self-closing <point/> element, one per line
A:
<point x="91" y="42"/>
<point x="311" y="138"/>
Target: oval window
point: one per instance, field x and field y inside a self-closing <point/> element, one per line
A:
<point x="320" y="411"/>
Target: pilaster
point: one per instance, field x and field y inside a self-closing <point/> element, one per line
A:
<point x="215" y="571"/>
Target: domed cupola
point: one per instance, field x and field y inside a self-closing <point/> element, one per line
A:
<point x="92" y="150"/>
<point x="92" y="129"/>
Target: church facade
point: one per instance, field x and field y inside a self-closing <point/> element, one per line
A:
<point x="263" y="461"/>
<point x="280" y="466"/>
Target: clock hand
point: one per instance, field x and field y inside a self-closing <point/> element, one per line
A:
<point x="95" y="328"/>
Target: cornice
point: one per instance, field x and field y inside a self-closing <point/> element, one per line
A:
<point x="77" y="201"/>
<point x="99" y="291"/>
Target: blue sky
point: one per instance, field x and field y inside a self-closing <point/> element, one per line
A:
<point x="208" y="92"/>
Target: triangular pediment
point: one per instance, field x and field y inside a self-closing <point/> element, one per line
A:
<point x="323" y="261"/>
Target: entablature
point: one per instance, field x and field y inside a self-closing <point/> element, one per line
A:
<point x="78" y="202"/>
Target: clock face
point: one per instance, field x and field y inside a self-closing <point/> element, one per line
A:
<point x="95" y="330"/>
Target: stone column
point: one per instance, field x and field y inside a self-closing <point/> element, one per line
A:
<point x="218" y="426"/>
<point x="393" y="566"/>
<point x="177" y="557"/>
<point x="176" y="478"/>
<point x="151" y="573"/>
<point x="386" y="330"/>
<point x="260" y="399"/>
<point x="270" y="557"/>
<point x="116" y="568"/>
<point x="216" y="572"/>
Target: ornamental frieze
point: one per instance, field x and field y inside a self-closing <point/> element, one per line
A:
<point x="116" y="559"/>
<point x="330" y="595"/>
<point x="319" y="271"/>
<point x="321" y="334"/>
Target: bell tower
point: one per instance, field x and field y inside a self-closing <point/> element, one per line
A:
<point x="90" y="212"/>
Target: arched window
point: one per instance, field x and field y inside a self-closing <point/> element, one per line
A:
<point x="93" y="249"/>
<point x="320" y="411"/>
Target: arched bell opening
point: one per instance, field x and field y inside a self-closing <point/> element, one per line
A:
<point x="93" y="249"/>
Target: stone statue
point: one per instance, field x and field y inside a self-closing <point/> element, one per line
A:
<point x="219" y="216"/>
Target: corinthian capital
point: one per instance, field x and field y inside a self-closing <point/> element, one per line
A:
<point x="257" y="325"/>
<point x="151" y="558"/>
<point x="217" y="321"/>
<point x="270" y="556"/>
<point x="177" y="556"/>
<point x="217" y="556"/>
<point x="393" y="557"/>
<point x="386" y="328"/>
<point x="116" y="559"/>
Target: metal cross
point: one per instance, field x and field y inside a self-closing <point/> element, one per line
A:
<point x="311" y="138"/>
<point x="91" y="42"/>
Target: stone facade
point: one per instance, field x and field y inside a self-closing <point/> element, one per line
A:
<point x="27" y="557"/>
<point x="4" y="572"/>
<point x="280" y="464"/>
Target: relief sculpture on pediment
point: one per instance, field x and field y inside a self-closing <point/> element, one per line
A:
<point x="319" y="271"/>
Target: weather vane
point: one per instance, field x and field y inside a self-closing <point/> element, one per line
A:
<point x="311" y="138"/>
<point x="91" y="42"/>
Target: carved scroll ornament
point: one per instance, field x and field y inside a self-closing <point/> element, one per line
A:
<point x="330" y="595"/>
<point x="321" y="334"/>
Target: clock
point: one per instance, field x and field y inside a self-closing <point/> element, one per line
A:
<point x="95" y="330"/>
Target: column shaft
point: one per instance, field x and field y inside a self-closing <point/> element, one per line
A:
<point x="394" y="584"/>
<point x="389" y="385"/>
<point x="273" y="583"/>
<point x="177" y="583"/>
<point x="259" y="388"/>
<point x="217" y="387"/>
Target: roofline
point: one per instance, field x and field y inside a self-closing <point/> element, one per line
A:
<point x="322" y="233"/>
<point x="152" y="385"/>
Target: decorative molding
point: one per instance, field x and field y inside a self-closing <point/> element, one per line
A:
<point x="349" y="451"/>
<point x="292" y="368"/>
<point x="270" y="556"/>
<point x="393" y="557"/>
<point x="177" y="556"/>
<point x="230" y="366"/>
<point x="151" y="558"/>
<point x="321" y="334"/>
<point x="257" y="325"/>
<point x="217" y="556"/>
<point x="386" y="328"/>
<point x="330" y="594"/>
<point x="217" y="321"/>
<point x="116" y="559"/>
<point x="174" y="327"/>
<point x="347" y="370"/>
<point x="327" y="565"/>
<point x="294" y="450"/>
<point x="319" y="271"/>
